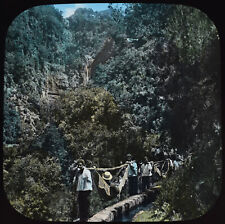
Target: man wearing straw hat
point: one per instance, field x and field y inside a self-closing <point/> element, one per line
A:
<point x="107" y="176"/>
<point x="84" y="188"/>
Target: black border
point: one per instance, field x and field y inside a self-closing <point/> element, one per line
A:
<point x="11" y="8"/>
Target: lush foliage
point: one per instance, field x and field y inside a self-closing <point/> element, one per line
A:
<point x="34" y="186"/>
<point x="191" y="190"/>
<point x="162" y="214"/>
<point x="93" y="126"/>
<point x="147" y="20"/>
<point x="192" y="116"/>
<point x="133" y="78"/>
<point x="12" y="121"/>
<point x="35" y="33"/>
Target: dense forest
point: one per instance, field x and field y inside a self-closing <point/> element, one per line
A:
<point x="144" y="79"/>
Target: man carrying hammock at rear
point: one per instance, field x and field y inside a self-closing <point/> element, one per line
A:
<point x="132" y="175"/>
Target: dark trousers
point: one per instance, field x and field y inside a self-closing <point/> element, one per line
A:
<point x="145" y="183"/>
<point x="84" y="204"/>
<point x="133" y="185"/>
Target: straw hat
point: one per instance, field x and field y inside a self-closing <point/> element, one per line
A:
<point x="107" y="176"/>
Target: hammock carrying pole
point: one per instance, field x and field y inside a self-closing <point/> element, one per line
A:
<point x="106" y="169"/>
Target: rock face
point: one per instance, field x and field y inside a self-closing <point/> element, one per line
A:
<point x="29" y="112"/>
<point x="110" y="213"/>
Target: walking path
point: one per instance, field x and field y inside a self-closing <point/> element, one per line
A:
<point x="110" y="213"/>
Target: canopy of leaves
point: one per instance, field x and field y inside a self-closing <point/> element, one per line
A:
<point x="93" y="126"/>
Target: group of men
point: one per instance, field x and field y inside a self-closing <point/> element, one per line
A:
<point x="83" y="180"/>
<point x="145" y="172"/>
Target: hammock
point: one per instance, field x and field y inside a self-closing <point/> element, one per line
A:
<point x="166" y="167"/>
<point x="114" y="187"/>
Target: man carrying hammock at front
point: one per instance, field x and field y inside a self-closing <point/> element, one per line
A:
<point x="84" y="187"/>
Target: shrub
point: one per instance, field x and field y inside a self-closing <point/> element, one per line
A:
<point x="34" y="187"/>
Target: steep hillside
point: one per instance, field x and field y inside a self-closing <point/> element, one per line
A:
<point x="46" y="54"/>
<point x="145" y="81"/>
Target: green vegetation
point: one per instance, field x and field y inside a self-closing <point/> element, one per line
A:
<point x="157" y="87"/>
<point x="93" y="126"/>
<point x="164" y="213"/>
<point x="12" y="121"/>
<point x="34" y="187"/>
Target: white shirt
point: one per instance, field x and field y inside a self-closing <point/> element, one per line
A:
<point x="84" y="180"/>
<point x="146" y="169"/>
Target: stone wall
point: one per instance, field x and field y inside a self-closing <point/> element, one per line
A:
<point x="110" y="213"/>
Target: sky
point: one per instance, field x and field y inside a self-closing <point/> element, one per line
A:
<point x="69" y="9"/>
